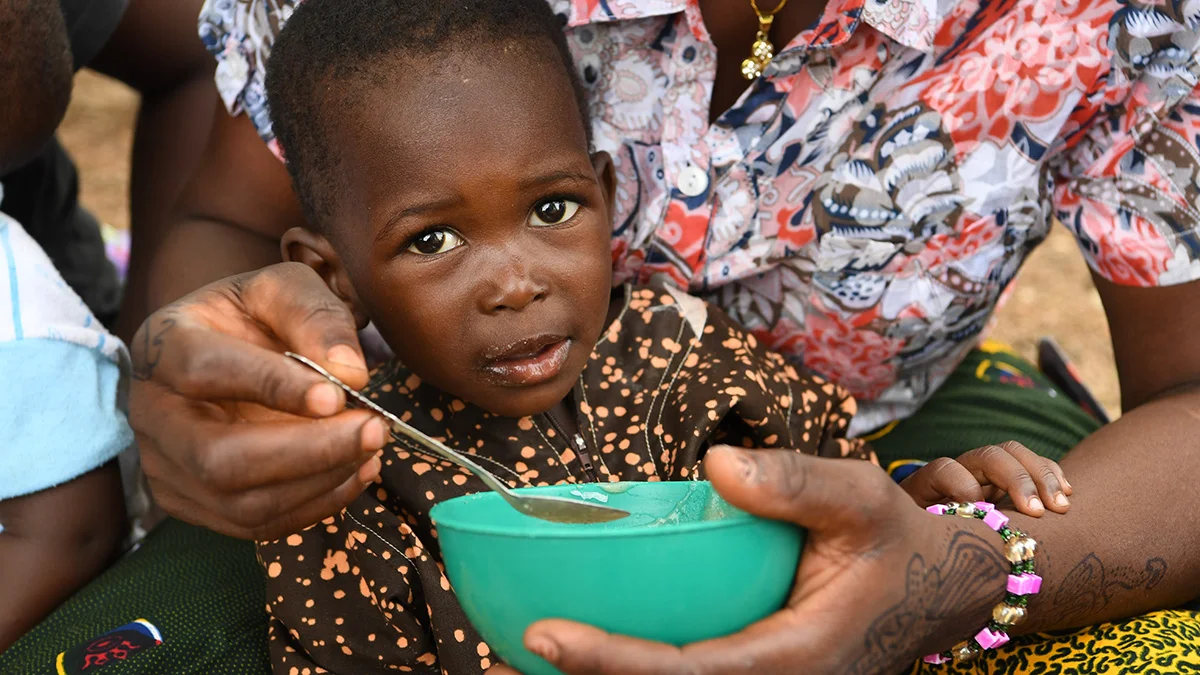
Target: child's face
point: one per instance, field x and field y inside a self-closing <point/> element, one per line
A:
<point x="474" y="228"/>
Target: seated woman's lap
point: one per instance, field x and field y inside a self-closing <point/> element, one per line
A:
<point x="993" y="396"/>
<point x="204" y="594"/>
<point x="996" y="396"/>
<point x="201" y="591"/>
<point x="1160" y="642"/>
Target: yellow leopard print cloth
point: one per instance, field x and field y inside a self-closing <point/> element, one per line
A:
<point x="1162" y="643"/>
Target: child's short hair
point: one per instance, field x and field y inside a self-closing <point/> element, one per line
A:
<point x="346" y="41"/>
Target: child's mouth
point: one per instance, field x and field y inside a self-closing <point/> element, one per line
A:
<point x="528" y="362"/>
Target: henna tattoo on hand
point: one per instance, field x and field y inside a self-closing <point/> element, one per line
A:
<point x="1089" y="587"/>
<point x="147" y="355"/>
<point x="968" y="581"/>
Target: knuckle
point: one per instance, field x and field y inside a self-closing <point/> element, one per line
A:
<point x="791" y="476"/>
<point x="273" y="280"/>
<point x="288" y="272"/>
<point x="1022" y="481"/>
<point x="1014" y="447"/>
<point x="1046" y="475"/>
<point x="254" y="511"/>
<point x="210" y="466"/>
<point x="938" y="470"/>
<point x="194" y="368"/>
<point x="276" y="387"/>
<point x="326" y="311"/>
<point x="878" y="487"/>
<point x="940" y="465"/>
<point x="989" y="453"/>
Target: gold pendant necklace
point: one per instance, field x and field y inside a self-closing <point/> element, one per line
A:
<point x="762" y="51"/>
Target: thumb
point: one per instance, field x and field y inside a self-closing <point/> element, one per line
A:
<point x="820" y="494"/>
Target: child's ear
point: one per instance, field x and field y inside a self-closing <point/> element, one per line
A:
<point x="602" y="163"/>
<point x="309" y="248"/>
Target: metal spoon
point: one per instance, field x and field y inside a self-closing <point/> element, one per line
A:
<point x="555" y="509"/>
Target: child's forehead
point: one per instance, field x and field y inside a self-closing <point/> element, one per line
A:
<point x="473" y="129"/>
<point x="421" y="80"/>
<point x="497" y="98"/>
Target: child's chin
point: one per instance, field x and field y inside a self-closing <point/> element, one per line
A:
<point x="525" y="401"/>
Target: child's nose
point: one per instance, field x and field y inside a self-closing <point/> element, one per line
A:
<point x="512" y="289"/>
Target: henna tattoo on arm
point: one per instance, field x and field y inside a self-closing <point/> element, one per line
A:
<point x="967" y="581"/>
<point x="1090" y="587"/>
<point x="147" y="351"/>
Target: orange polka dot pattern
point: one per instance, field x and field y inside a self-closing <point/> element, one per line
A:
<point x="365" y="592"/>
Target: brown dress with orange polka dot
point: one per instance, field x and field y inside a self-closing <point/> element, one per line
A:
<point x="364" y="591"/>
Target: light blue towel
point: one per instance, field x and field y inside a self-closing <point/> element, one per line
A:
<point x="65" y="378"/>
<point x="59" y="414"/>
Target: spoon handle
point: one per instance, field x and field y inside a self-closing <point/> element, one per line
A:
<point x="408" y="431"/>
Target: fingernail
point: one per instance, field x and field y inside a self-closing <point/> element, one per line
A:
<point x="543" y="647"/>
<point x="1067" y="483"/>
<point x="323" y="399"/>
<point x="1035" y="504"/>
<point x="374" y="434"/>
<point x="1061" y="500"/>
<point x="345" y="356"/>
<point x="369" y="471"/>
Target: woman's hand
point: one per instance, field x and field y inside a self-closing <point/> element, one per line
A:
<point x="881" y="582"/>
<point x="1033" y="482"/>
<point x="234" y="435"/>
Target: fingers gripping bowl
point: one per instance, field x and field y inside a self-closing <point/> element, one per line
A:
<point x="683" y="567"/>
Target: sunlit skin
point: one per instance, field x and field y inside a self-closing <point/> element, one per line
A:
<point x="471" y="224"/>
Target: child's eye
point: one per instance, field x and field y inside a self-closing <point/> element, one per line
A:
<point x="553" y="212"/>
<point x="434" y="242"/>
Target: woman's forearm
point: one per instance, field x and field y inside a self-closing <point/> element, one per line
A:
<point x="170" y="136"/>
<point x="1131" y="541"/>
<point x="198" y="251"/>
<point x="229" y="217"/>
<point x="155" y="50"/>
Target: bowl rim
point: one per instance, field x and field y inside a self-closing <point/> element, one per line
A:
<point x="738" y="519"/>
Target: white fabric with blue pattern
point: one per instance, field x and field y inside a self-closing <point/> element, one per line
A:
<point x="63" y="406"/>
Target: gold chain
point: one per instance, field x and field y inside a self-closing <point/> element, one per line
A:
<point x="762" y="51"/>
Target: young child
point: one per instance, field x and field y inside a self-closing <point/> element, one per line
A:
<point x="441" y="151"/>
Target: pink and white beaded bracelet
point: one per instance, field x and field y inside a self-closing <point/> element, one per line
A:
<point x="1019" y="549"/>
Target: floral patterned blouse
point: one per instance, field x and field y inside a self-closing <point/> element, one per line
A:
<point x="365" y="592"/>
<point x="864" y="205"/>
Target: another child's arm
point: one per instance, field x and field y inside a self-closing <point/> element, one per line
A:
<point x="1034" y="483"/>
<point x="54" y="542"/>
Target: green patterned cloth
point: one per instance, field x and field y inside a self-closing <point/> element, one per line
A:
<point x="992" y="397"/>
<point x="204" y="592"/>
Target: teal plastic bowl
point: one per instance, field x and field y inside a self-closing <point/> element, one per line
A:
<point x="684" y="566"/>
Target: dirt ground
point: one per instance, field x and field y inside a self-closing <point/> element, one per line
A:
<point x="1053" y="296"/>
